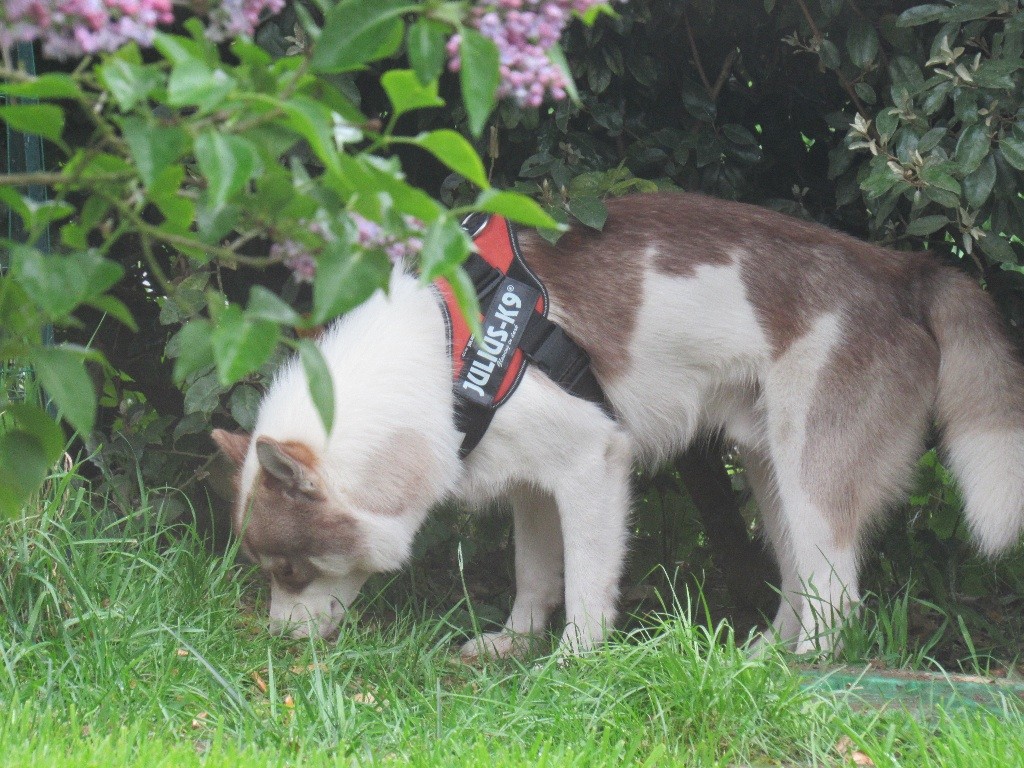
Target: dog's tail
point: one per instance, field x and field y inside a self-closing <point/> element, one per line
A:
<point x="980" y="408"/>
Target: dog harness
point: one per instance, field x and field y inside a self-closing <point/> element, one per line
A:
<point x="516" y="333"/>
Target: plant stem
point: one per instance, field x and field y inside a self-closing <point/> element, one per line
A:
<point x="49" y="178"/>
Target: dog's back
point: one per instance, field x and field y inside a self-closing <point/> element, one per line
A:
<point x="825" y="358"/>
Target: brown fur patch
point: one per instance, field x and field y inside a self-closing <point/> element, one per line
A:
<point x="279" y="524"/>
<point x="395" y="475"/>
<point x="234" y="445"/>
<point x="301" y="452"/>
<point x="595" y="283"/>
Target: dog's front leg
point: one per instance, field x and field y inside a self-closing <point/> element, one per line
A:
<point x="539" y="590"/>
<point x="593" y="506"/>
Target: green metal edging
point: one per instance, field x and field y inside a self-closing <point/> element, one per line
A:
<point x="25" y="155"/>
<point x="916" y="691"/>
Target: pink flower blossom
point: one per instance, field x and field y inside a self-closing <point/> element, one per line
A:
<point x="70" y="28"/>
<point x="233" y="18"/>
<point x="75" y="28"/>
<point x="370" y="235"/>
<point x="524" y="31"/>
<point x="297" y="257"/>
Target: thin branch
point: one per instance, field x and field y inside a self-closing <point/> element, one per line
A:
<point x="847" y="86"/>
<point x="723" y="76"/>
<point x="696" y="53"/>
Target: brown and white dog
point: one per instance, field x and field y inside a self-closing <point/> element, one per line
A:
<point x="824" y="358"/>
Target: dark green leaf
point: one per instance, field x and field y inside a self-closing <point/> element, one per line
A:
<point x="878" y="182"/>
<point x="195" y="83"/>
<point x="479" y="77"/>
<point x="906" y="75"/>
<point x="831" y="8"/>
<point x="315" y="123"/>
<point x="264" y="304"/>
<point x="739" y="135"/>
<point x="589" y="210"/>
<point x="936" y="98"/>
<point x="129" y="83"/>
<point x="866" y="92"/>
<point x="922" y="14"/>
<point x="116" y="308"/>
<point x="227" y="162"/>
<point x="321" y="386"/>
<point x="345" y="278"/>
<point x="58" y="284"/>
<point x="53" y="85"/>
<point x="972" y="148"/>
<point x="514" y="206"/>
<point x="34" y="420"/>
<point x="998" y="248"/>
<point x="697" y="102"/>
<point x="936" y="176"/>
<point x="245" y="404"/>
<point x="862" y="43"/>
<point x="192" y="349"/>
<point x="452" y="149"/>
<point x="203" y="395"/>
<point x="829" y="53"/>
<point x="153" y="148"/>
<point x="425" y="44"/>
<point x="996" y="73"/>
<point x="23" y="468"/>
<point x="445" y="246"/>
<point x="407" y="93"/>
<point x="1012" y="149"/>
<point x="978" y="185"/>
<point x="557" y="57"/>
<point x="240" y="345"/>
<point x="357" y="32"/>
<point x="926" y="225"/>
<point x="931" y="139"/>
<point x="62" y="373"/>
<point x="46" y="120"/>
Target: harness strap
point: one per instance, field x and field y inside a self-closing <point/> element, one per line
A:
<point x="542" y="342"/>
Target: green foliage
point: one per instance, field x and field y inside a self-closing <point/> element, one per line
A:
<point x="196" y="159"/>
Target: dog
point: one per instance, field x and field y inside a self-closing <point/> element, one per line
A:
<point x="826" y="360"/>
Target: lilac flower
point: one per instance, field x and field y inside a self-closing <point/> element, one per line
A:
<point x="524" y="31"/>
<point x="75" y="28"/>
<point x="233" y="18"/>
<point x="370" y="235"/>
<point x="297" y="257"/>
<point x="70" y="28"/>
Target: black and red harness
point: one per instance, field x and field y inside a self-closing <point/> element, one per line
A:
<point x="516" y="333"/>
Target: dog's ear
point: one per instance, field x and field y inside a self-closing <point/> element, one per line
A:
<point x="234" y="444"/>
<point x="293" y="464"/>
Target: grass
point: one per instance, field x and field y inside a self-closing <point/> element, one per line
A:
<point x="128" y="643"/>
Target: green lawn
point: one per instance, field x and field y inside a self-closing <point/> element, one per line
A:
<point x="128" y="644"/>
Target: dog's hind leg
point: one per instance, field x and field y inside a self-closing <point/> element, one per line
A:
<point x="818" y="562"/>
<point x="539" y="584"/>
<point x="761" y="476"/>
<point x="847" y="409"/>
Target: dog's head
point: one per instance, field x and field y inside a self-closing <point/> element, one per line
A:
<point x="318" y="535"/>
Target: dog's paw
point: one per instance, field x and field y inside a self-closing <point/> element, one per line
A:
<point x="495" y="645"/>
